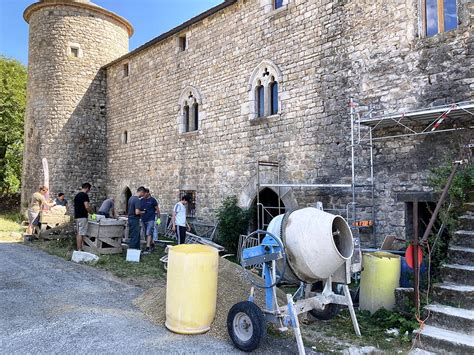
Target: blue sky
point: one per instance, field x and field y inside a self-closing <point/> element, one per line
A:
<point x="149" y="18"/>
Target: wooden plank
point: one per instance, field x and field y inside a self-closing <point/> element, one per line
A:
<point x="92" y="250"/>
<point x="89" y="242"/>
<point x="117" y="242"/>
<point x="424" y="20"/>
<point x="440" y="16"/>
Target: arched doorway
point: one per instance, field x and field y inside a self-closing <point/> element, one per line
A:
<point x="126" y="194"/>
<point x="268" y="208"/>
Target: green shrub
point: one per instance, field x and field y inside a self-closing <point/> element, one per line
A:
<point x="462" y="184"/>
<point x="233" y="221"/>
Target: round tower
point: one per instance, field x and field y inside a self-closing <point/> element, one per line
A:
<point x="69" y="42"/>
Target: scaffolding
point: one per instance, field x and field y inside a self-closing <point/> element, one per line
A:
<point x="365" y="130"/>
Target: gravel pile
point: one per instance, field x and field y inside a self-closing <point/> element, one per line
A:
<point x="232" y="287"/>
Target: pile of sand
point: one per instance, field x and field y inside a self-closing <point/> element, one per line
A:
<point x="232" y="287"/>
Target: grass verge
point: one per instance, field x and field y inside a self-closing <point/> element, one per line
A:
<point x="337" y="334"/>
<point x="149" y="266"/>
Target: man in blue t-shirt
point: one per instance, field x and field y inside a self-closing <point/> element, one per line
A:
<point x="134" y="215"/>
<point x="150" y="210"/>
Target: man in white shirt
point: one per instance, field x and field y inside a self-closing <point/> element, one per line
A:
<point x="179" y="219"/>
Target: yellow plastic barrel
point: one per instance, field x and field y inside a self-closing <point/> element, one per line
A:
<point x="191" y="288"/>
<point x="379" y="279"/>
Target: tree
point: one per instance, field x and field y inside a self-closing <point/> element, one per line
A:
<point x="12" y="111"/>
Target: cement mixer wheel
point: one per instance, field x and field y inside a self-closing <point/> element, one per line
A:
<point x="330" y="310"/>
<point x="246" y="325"/>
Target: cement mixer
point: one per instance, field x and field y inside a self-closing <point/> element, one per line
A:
<point x="307" y="247"/>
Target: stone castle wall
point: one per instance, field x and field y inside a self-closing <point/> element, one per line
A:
<point x="327" y="52"/>
<point x="65" y="117"/>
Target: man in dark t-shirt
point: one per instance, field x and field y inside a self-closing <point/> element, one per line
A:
<point x="150" y="211"/>
<point x="81" y="209"/>
<point x="134" y="215"/>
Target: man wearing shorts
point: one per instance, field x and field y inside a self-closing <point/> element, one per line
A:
<point x="150" y="211"/>
<point x="179" y="219"/>
<point x="81" y="208"/>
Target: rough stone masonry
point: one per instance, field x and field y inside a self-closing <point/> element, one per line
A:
<point x="118" y="119"/>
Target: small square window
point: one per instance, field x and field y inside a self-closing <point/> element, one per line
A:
<point x="277" y="4"/>
<point x="182" y="43"/>
<point x="74" y="52"/>
<point x="126" y="69"/>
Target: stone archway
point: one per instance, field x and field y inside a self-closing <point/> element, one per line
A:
<point x="123" y="201"/>
<point x="249" y="193"/>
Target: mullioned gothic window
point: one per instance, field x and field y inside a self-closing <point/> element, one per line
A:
<point x="264" y="90"/>
<point x="190" y="111"/>
<point x="438" y="16"/>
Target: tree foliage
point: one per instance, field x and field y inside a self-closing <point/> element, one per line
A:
<point x="12" y="112"/>
<point x="233" y="221"/>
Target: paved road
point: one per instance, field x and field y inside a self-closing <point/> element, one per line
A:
<point x="48" y="305"/>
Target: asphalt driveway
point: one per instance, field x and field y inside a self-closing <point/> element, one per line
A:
<point x="48" y="305"/>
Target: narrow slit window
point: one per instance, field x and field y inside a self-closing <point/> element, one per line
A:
<point x="126" y="69"/>
<point x="124" y="137"/>
<point x="260" y="93"/>
<point x="274" y="97"/>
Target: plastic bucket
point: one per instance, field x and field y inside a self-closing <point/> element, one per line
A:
<point x="379" y="279"/>
<point x="191" y="290"/>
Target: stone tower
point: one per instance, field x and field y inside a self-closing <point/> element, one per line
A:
<point x="69" y="42"/>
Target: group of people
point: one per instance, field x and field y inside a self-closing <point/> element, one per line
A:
<point x="38" y="202"/>
<point x="144" y="209"/>
<point x="143" y="213"/>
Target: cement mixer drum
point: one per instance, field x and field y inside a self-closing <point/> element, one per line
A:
<point x="317" y="243"/>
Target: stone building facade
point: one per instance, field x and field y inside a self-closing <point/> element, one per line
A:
<point x="196" y="108"/>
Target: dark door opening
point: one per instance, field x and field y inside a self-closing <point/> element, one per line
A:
<point x="268" y="209"/>
<point x="126" y="196"/>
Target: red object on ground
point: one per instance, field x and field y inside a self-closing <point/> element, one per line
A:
<point x="409" y="256"/>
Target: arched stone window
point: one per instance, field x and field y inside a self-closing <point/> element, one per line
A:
<point x="190" y="110"/>
<point x="265" y="90"/>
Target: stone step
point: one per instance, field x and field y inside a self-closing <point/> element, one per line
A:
<point x="451" y="318"/>
<point x="466" y="222"/>
<point x="441" y="340"/>
<point x="463" y="238"/>
<point x="468" y="207"/>
<point x="456" y="273"/>
<point x="461" y="255"/>
<point x="456" y="295"/>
